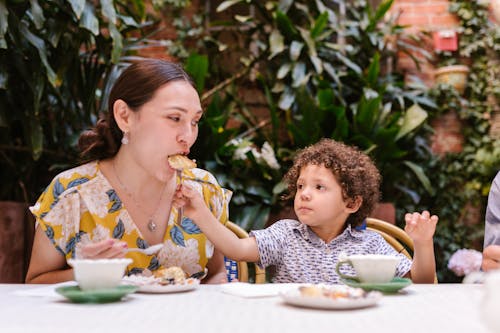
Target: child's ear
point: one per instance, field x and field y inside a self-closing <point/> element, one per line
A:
<point x="353" y="204"/>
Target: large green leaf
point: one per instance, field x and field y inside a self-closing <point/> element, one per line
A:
<point x="413" y="118"/>
<point x="286" y="26"/>
<point x="39" y="44"/>
<point x="88" y="20"/>
<point x="4" y="23"/>
<point x="419" y="172"/>
<point x="373" y="71"/>
<point x="108" y="10"/>
<point x="197" y="66"/>
<point x="77" y="6"/>
<point x="319" y="25"/>
<point x="117" y="43"/>
<point x="226" y="4"/>
<point x="276" y="43"/>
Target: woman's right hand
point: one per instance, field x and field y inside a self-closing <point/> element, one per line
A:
<point x="108" y="248"/>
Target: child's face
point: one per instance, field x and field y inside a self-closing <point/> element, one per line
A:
<point x="318" y="201"/>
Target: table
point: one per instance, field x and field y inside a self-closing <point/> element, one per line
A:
<point x="422" y="308"/>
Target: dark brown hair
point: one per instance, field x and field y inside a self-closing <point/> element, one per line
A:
<point x="355" y="172"/>
<point x="135" y="86"/>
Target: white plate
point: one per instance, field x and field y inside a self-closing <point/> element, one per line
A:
<point x="170" y="288"/>
<point x="294" y="297"/>
<point x="151" y="285"/>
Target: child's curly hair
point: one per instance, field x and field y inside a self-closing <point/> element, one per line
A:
<point x="355" y="172"/>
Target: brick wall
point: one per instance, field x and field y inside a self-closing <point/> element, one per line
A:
<point x="423" y="16"/>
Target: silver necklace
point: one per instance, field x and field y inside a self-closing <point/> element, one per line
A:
<point x="151" y="220"/>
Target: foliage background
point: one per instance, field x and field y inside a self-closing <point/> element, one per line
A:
<point x="274" y="77"/>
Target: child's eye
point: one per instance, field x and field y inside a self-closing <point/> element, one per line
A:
<point x="320" y="187"/>
<point x="299" y="186"/>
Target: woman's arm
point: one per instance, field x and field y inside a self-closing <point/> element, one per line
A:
<point x="421" y="228"/>
<point x="47" y="265"/>
<point x="225" y="240"/>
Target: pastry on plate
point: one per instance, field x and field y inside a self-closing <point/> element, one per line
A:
<point x="171" y="275"/>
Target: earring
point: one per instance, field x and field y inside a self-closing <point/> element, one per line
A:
<point x="125" y="138"/>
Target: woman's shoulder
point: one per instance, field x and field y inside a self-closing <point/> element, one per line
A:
<point x="65" y="181"/>
<point x="76" y="176"/>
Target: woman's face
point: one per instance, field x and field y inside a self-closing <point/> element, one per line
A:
<point x="164" y="126"/>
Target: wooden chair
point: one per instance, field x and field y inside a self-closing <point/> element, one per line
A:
<point x="394" y="235"/>
<point x="240" y="269"/>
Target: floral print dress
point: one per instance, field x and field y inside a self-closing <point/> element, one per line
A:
<point x="79" y="206"/>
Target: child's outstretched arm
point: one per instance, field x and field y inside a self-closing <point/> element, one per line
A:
<point x="226" y="241"/>
<point x="421" y="228"/>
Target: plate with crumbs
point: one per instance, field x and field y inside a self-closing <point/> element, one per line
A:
<point x="331" y="297"/>
<point x="152" y="285"/>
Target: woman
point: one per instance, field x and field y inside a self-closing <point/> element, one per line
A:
<point x="122" y="197"/>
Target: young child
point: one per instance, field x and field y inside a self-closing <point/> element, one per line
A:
<point x="335" y="187"/>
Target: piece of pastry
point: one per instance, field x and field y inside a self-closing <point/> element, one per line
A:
<point x="171" y="275"/>
<point x="181" y="162"/>
<point x="310" y="291"/>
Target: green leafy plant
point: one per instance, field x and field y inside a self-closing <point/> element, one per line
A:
<point x="57" y="59"/>
<point x="326" y="75"/>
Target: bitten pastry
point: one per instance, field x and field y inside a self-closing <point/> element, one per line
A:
<point x="181" y="162"/>
<point x="171" y="275"/>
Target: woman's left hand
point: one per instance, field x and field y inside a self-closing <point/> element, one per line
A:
<point x="420" y="227"/>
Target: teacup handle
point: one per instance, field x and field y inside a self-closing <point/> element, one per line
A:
<point x="342" y="275"/>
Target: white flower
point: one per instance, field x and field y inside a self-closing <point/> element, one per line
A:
<point x="269" y="157"/>
<point x="96" y="198"/>
<point x="465" y="261"/>
<point x="186" y="257"/>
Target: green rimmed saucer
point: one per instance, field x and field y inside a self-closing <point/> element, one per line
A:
<point x="108" y="295"/>
<point x="393" y="286"/>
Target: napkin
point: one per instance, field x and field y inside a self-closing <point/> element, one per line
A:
<point x="48" y="290"/>
<point x="249" y="290"/>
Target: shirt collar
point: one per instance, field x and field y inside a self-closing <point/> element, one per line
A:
<point x="309" y="235"/>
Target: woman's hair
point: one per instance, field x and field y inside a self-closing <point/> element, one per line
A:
<point x="355" y="172"/>
<point x="135" y="86"/>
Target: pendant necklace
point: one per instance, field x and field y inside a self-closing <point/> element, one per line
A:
<point x="151" y="220"/>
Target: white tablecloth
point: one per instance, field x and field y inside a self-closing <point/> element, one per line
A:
<point x="422" y="308"/>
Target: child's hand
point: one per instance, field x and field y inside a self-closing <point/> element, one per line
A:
<point x="190" y="199"/>
<point x="420" y="227"/>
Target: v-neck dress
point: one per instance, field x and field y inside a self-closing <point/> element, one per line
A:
<point x="79" y="207"/>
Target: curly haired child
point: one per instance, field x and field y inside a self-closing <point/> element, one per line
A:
<point x="335" y="187"/>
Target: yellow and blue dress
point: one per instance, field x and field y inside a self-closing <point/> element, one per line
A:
<point x="79" y="207"/>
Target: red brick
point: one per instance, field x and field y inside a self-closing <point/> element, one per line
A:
<point x="433" y="9"/>
<point x="415" y="20"/>
<point x="444" y="21"/>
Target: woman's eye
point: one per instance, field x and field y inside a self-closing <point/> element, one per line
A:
<point x="195" y="122"/>
<point x="175" y="118"/>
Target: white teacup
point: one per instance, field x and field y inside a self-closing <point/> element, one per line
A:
<point x="98" y="273"/>
<point x="370" y="268"/>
